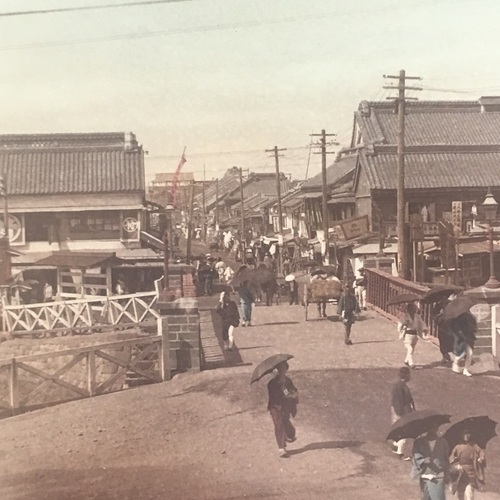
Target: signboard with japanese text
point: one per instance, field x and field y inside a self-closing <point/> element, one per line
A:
<point x="352" y="228"/>
<point x="456" y="214"/>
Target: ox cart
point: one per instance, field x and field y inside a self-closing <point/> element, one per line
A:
<point x="319" y="291"/>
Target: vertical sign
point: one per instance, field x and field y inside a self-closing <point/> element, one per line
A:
<point x="456" y="214"/>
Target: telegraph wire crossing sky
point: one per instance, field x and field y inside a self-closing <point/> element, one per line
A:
<point x="230" y="79"/>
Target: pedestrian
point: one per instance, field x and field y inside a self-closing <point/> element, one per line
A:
<point x="228" y="274"/>
<point x="431" y="464"/>
<point x="247" y="298"/>
<point x="283" y="400"/>
<point x="464" y="329"/>
<point x="401" y="404"/>
<point x="228" y="311"/>
<point x="469" y="460"/>
<point x="360" y="284"/>
<point x="209" y="273"/>
<point x="444" y="335"/>
<point x="320" y="275"/>
<point x="220" y="267"/>
<point x="347" y="307"/>
<point x="410" y="328"/>
<point x="286" y="264"/>
<point x="294" y="291"/>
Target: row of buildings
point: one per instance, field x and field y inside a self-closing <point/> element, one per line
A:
<point x="78" y="202"/>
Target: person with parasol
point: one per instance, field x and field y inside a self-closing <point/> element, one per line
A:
<point x="470" y="461"/>
<point x="410" y="328"/>
<point x="401" y="404"/>
<point x="283" y="398"/>
<point x="431" y="463"/>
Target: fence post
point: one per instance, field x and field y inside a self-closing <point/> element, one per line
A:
<point x="91" y="372"/>
<point x="13" y="387"/>
<point x="164" y="351"/>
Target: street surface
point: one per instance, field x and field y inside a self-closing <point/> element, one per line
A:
<point x="209" y="436"/>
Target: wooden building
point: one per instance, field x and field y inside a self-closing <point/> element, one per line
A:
<point x="77" y="193"/>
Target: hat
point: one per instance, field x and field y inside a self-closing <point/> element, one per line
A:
<point x="290" y="277"/>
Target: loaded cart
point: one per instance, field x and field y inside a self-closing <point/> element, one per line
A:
<point x="319" y="291"/>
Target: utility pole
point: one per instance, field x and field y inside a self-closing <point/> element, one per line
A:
<point x="217" y="206"/>
<point x="190" y="225"/>
<point x="324" y="152"/>
<point x="275" y="152"/>
<point x="242" y="227"/>
<point x="204" y="208"/>
<point x="403" y="264"/>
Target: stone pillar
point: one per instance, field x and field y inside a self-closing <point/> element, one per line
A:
<point x="180" y="321"/>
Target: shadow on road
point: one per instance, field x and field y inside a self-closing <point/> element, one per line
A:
<point x="281" y="323"/>
<point x="253" y="347"/>
<point x="326" y="445"/>
<point x="373" y="341"/>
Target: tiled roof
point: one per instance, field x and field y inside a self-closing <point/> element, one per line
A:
<point x="53" y="171"/>
<point x="434" y="171"/>
<point x="430" y="123"/>
<point x="123" y="140"/>
<point x="342" y="165"/>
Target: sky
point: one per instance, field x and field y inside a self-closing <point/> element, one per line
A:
<point x="228" y="79"/>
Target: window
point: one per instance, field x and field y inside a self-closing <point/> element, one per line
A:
<point x="86" y="223"/>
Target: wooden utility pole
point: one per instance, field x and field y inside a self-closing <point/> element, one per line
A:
<point x="190" y="225"/>
<point x="324" y="152"/>
<point x="403" y="264"/>
<point x="204" y="208"/>
<point x="242" y="223"/>
<point x="275" y="152"/>
<point x="217" y="204"/>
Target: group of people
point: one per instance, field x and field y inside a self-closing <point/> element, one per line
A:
<point x="456" y="337"/>
<point x="433" y="465"/>
<point x="210" y="269"/>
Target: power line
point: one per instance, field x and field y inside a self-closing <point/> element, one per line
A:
<point x="199" y="29"/>
<point x="87" y="7"/>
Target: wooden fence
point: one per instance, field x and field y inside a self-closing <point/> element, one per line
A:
<point x="19" y="397"/>
<point x="81" y="316"/>
<point x="382" y="286"/>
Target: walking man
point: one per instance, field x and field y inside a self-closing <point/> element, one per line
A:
<point x="220" y="267"/>
<point x="283" y="400"/>
<point x="228" y="311"/>
<point x="401" y="404"/>
<point x="246" y="299"/>
<point x="361" y="288"/>
<point x="347" y="307"/>
<point x="410" y="328"/>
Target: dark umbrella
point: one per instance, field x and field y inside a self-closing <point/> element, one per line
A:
<point x="260" y="276"/>
<point x="481" y="429"/>
<point x="403" y="298"/>
<point x="415" y="424"/>
<point x="439" y="292"/>
<point x="457" y="307"/>
<point x="268" y="365"/>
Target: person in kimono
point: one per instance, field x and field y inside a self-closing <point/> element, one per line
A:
<point x="410" y="328"/>
<point x="431" y="464"/>
<point x="282" y="404"/>
<point x="469" y="460"/>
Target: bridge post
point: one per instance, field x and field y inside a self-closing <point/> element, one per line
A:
<point x="180" y="328"/>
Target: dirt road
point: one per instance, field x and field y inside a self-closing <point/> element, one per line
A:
<point x="208" y="435"/>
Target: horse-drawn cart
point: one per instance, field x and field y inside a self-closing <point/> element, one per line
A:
<point x="320" y="291"/>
